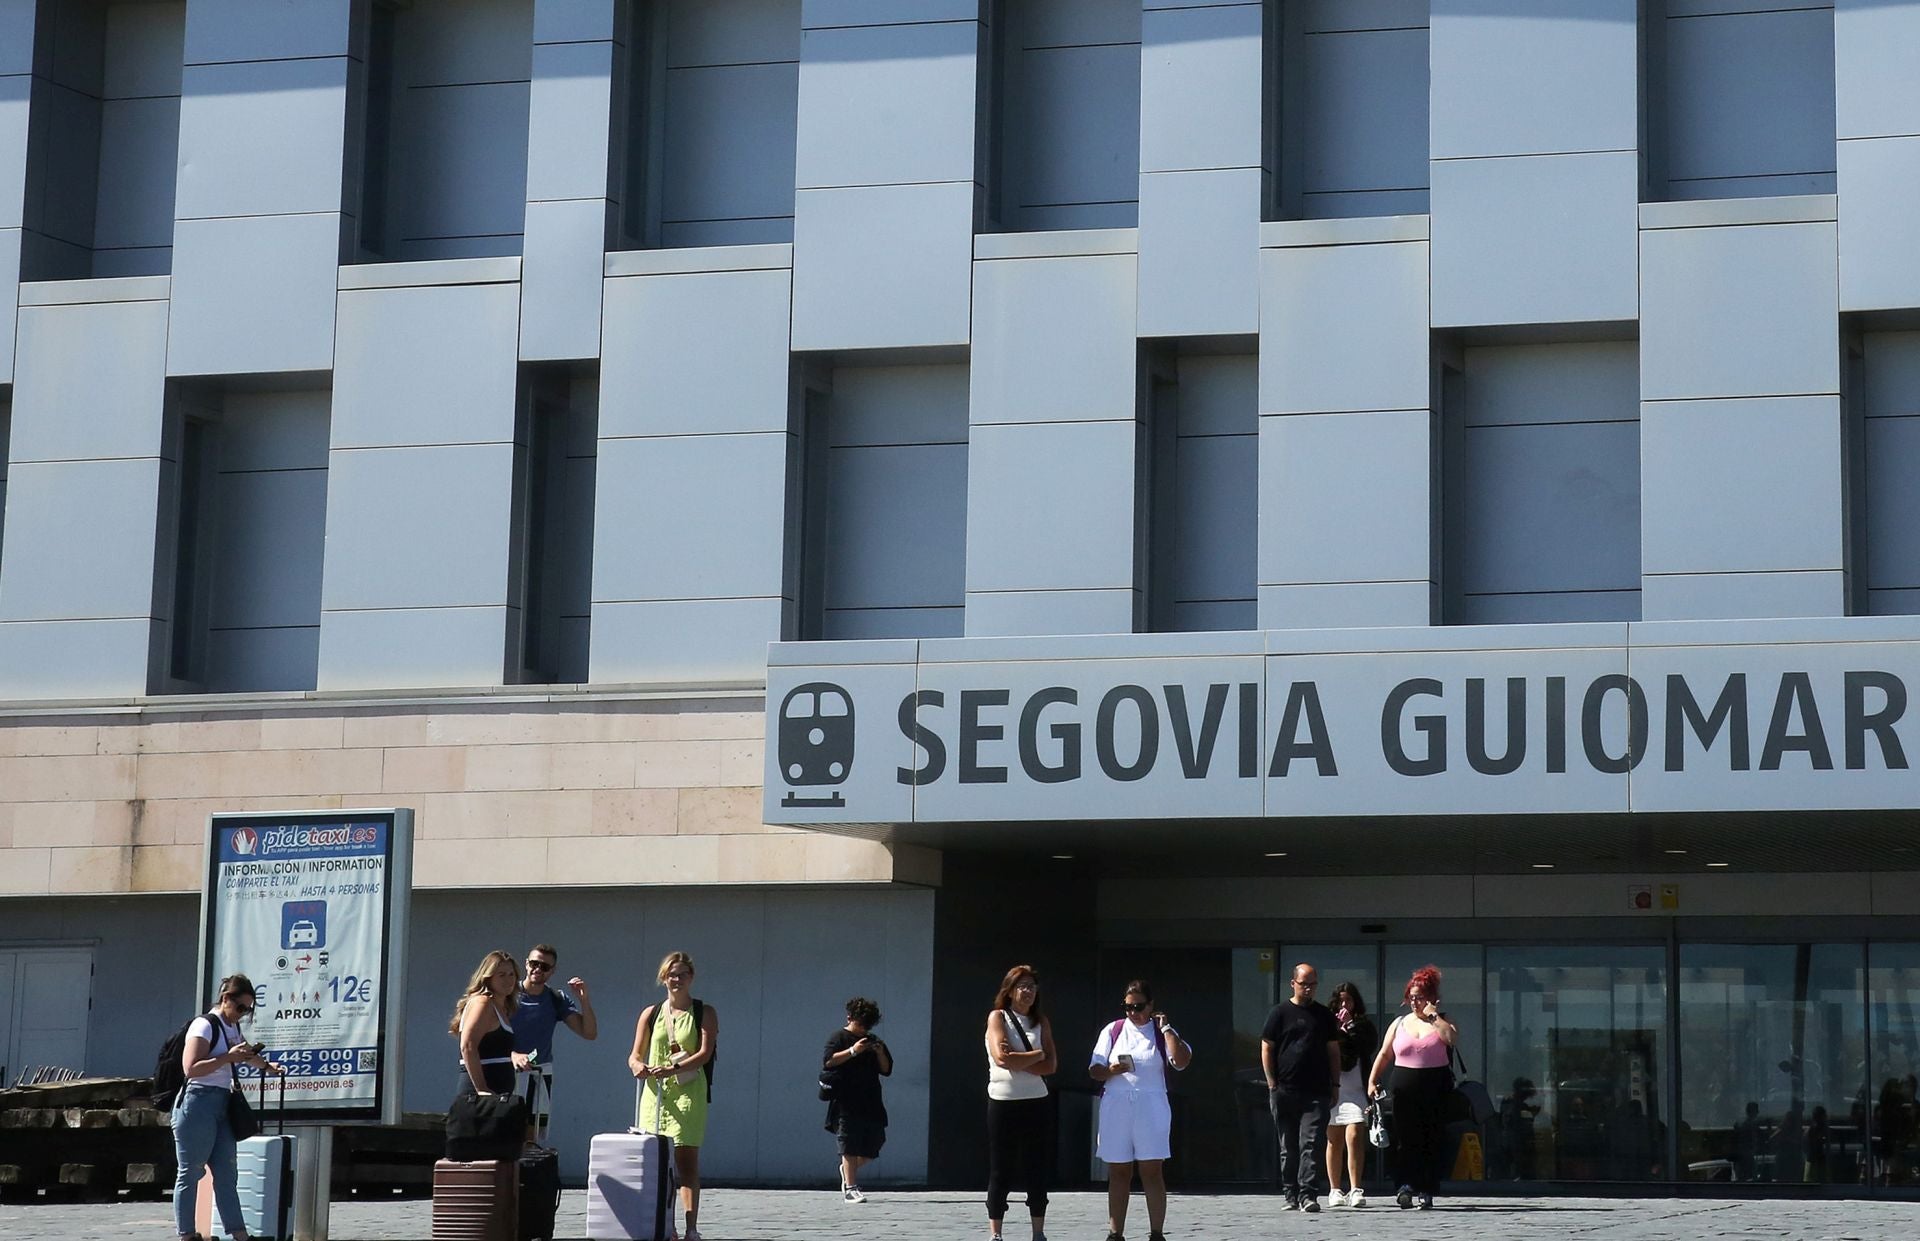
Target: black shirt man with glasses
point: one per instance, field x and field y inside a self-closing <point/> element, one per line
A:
<point x="1300" y="1054"/>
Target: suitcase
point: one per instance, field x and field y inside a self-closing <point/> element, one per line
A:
<point x="630" y="1185"/>
<point x="539" y="1176"/>
<point x="265" y="1166"/>
<point x="478" y="1201"/>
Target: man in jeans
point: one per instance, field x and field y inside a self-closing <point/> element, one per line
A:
<point x="1300" y="1053"/>
<point x="544" y="1006"/>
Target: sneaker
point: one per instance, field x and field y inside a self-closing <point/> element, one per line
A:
<point x="1338" y="1198"/>
<point x="1310" y="1205"/>
<point x="1358" y="1198"/>
<point x="1114" y="1236"/>
<point x="1405" y="1197"/>
<point x="1293" y="1204"/>
<point x="1426" y="1202"/>
<point x="852" y="1194"/>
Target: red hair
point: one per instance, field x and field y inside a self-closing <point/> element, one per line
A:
<point x="1427" y="978"/>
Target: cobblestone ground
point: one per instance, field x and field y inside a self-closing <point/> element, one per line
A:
<point x="803" y="1215"/>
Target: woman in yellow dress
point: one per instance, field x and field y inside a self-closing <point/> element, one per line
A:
<point x="673" y="1047"/>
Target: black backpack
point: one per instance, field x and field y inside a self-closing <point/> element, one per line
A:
<point x="169" y="1075"/>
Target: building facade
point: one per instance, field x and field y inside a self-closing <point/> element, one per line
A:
<point x="871" y="492"/>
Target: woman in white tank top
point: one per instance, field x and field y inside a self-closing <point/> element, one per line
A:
<point x="1020" y="1055"/>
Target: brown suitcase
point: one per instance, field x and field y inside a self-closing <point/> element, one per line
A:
<point x="477" y="1201"/>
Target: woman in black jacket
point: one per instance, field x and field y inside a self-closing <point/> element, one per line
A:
<point x="1347" y="1126"/>
<point x="850" y="1073"/>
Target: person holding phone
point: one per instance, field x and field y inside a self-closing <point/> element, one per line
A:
<point x="1347" y="1127"/>
<point x="851" y="1066"/>
<point x="1130" y="1059"/>
<point x="1416" y="1049"/>
<point x="202" y="1134"/>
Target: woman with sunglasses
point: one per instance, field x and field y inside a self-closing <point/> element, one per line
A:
<point x="1020" y="1140"/>
<point x="202" y="1134"/>
<point x="1136" y="1119"/>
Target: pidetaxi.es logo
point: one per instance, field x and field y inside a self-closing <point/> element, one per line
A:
<point x="816" y="743"/>
<point x="245" y="841"/>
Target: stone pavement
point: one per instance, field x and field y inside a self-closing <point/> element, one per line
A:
<point x="812" y="1215"/>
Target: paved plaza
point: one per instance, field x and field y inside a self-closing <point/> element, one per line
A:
<point x="803" y="1215"/>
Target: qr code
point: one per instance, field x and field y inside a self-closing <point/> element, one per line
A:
<point x="369" y="1059"/>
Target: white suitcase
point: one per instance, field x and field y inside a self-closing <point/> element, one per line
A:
<point x="630" y="1186"/>
<point x="265" y="1166"/>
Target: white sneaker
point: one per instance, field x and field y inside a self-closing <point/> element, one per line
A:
<point x="1338" y="1198"/>
<point x="852" y="1194"/>
<point x="1358" y="1198"/>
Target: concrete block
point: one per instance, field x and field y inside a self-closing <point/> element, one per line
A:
<point x="1053" y="340"/>
<point x="262" y="138"/>
<point x="1344" y="328"/>
<point x="1534" y="77"/>
<point x="715" y="509"/>
<point x="1544" y="239"/>
<point x="254" y="295"/>
<point x="1199" y="241"/>
<point x="1015" y="613"/>
<point x="1346" y="498"/>
<point x="560" y="279"/>
<point x="852" y="129"/>
<point x="1710" y="596"/>
<point x="1873" y="76"/>
<point x="418" y="528"/>
<point x="882" y="266"/>
<point x="692" y="641"/>
<point x="1050" y="506"/>
<point x="696" y="354"/>
<point x="1739" y="312"/>
<point x="1741" y="486"/>
<point x="49" y="574"/>
<point x="1879" y="179"/>
<point x="1200" y="75"/>
<point x="412" y="648"/>
<point x="569" y="120"/>
<point x="259" y="30"/>
<point x="90" y="381"/>
<point x="430" y="365"/>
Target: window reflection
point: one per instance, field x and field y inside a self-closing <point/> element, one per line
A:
<point x="1577" y="1046"/>
<point x="1893" y="983"/>
<point x="1773" y="1062"/>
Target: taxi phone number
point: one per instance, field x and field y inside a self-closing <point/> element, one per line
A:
<point x="321" y="1062"/>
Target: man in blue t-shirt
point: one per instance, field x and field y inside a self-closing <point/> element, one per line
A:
<point x="542" y="1009"/>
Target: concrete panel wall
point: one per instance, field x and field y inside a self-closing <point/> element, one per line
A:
<point x="1542" y="485"/>
<point x="16" y="93"/>
<point x="87" y="452"/>
<point x="1346" y="435"/>
<point x="1878" y="125"/>
<point x="1741" y="464"/>
<point x="886" y="195"/>
<point x="689" y="580"/>
<point x="420" y="487"/>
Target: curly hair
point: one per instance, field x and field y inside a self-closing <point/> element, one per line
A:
<point x="864" y="1011"/>
<point x="1427" y="978"/>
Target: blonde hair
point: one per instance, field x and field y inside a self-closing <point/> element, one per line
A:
<point x="669" y="961"/>
<point x="481" y="984"/>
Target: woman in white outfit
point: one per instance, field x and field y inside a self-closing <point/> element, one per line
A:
<point x="1131" y="1060"/>
<point x="1347" y="1127"/>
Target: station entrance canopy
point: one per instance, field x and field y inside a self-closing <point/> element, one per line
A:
<point x="1578" y="719"/>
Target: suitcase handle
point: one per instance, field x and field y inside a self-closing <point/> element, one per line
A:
<point x="280" y="1119"/>
<point x="660" y="1104"/>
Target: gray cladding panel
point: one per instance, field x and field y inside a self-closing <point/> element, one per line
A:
<point x="1197" y="231"/>
<point x="430" y="365"/>
<point x="1879" y="233"/>
<point x="1872" y="49"/>
<point x="570" y="120"/>
<point x="896" y="522"/>
<point x="262" y="138"/>
<point x="246" y="30"/>
<point x="418" y="527"/>
<point x="424" y="648"/>
<point x="1366" y="102"/>
<point x="1346" y="498"/>
<point x="741" y="32"/>
<point x="1051" y="506"/>
<point x="1200" y="73"/>
<point x="254" y="294"/>
<point x="1893" y="503"/>
<point x="1748" y="95"/>
<point x="1515" y="384"/>
<point x="690" y="641"/>
<point x="882" y="266"/>
<point x="882" y="405"/>
<point x="1077" y="122"/>
<point x="852" y="130"/>
<point x="730" y="143"/>
<point x="1533" y="77"/>
<point x="1216" y="520"/>
<point x="1344" y="328"/>
<point x="48" y="575"/>
<point x="1053" y="339"/>
<point x="696" y="354"/>
<point x="689" y="517"/>
<point x="90" y="381"/>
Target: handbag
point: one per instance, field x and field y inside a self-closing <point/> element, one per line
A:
<point x="240" y="1114"/>
<point x="490" y="1126"/>
<point x="1377" y="1134"/>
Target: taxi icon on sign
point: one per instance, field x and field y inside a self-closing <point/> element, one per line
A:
<point x="816" y="742"/>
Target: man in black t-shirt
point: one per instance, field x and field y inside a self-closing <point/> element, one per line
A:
<point x="1300" y="1054"/>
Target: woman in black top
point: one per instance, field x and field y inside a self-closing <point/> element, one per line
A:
<point x="850" y="1073"/>
<point x="482" y="1020"/>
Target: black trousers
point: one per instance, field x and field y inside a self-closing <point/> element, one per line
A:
<point x="1420" y="1126"/>
<point x="1301" y="1123"/>
<point x="1020" y="1148"/>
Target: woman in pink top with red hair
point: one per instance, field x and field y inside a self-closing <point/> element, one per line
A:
<point x="1417" y="1048"/>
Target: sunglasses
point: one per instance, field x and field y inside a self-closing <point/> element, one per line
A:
<point x="545" y="967"/>
<point x="1136" y="1008"/>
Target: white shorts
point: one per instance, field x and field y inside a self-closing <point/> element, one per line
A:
<point x="1134" y="1124"/>
<point x="1347" y="1114"/>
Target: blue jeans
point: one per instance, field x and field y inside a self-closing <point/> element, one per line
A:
<point x="202" y="1139"/>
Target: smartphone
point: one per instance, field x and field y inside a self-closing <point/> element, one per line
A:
<point x="1123" y="1062"/>
<point x="255" y="1048"/>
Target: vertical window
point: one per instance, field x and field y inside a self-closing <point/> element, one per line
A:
<point x="443" y="147"/>
<point x="1541" y="484"/>
<point x="712" y="114"/>
<point x="884" y="450"/>
<point x="1347" y="108"/>
<point x="104" y="146"/>
<point x="1067" y="119"/>
<point x="1887" y="540"/>
<point x="555" y="444"/>
<point x="6" y="440"/>
<point x="246" y="533"/>
<point x="1893" y="1019"/>
<point x="1742" y="98"/>
<point x="1200" y="471"/>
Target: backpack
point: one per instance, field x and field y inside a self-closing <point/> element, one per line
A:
<point x="169" y="1075"/>
<point x="699" y="1026"/>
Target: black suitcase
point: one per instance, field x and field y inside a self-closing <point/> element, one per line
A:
<point x="539" y="1193"/>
